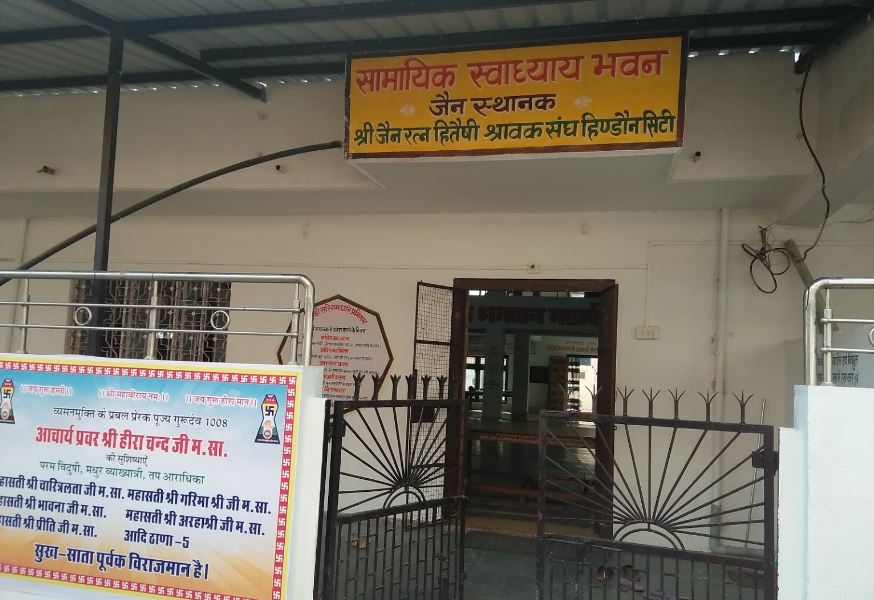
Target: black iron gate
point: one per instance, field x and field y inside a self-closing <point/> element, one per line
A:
<point x="394" y="526"/>
<point x="690" y="506"/>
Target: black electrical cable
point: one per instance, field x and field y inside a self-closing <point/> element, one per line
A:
<point x="765" y="254"/>
<point x="245" y="164"/>
<point x="828" y="203"/>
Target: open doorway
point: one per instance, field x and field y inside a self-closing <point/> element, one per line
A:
<point x="530" y="345"/>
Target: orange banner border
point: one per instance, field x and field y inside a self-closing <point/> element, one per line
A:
<point x="174" y="371"/>
<point x="681" y="108"/>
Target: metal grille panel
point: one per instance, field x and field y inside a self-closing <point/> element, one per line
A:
<point x="394" y="525"/>
<point x="433" y="313"/>
<point x="204" y="344"/>
<point x="685" y="511"/>
<point x="431" y="362"/>
<point x="169" y="316"/>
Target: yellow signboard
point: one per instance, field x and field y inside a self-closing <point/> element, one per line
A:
<point x="605" y="95"/>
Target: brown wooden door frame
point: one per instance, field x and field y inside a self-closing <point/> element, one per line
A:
<point x="608" y="291"/>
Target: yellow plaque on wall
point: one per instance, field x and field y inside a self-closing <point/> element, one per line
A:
<point x="606" y="95"/>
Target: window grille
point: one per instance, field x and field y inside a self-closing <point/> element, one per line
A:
<point x="128" y="313"/>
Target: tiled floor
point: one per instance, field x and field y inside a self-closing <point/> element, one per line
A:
<point x="495" y="575"/>
<point x="384" y="562"/>
<point x="502" y="567"/>
<point x="499" y="566"/>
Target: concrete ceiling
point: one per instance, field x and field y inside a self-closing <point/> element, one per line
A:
<point x="557" y="184"/>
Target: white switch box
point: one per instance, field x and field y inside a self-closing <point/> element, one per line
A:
<point x="646" y="332"/>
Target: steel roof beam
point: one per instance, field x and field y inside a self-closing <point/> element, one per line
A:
<point x="150" y="77"/>
<point x="336" y="12"/>
<point x="498" y="37"/>
<point x="338" y="68"/>
<point x="48" y="34"/>
<point x="109" y="26"/>
<point x="779" y="39"/>
<point x="835" y="35"/>
<point x="311" y="14"/>
<point x="394" y="8"/>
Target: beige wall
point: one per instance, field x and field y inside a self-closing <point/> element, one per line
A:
<point x="169" y="136"/>
<point x="840" y="123"/>
<point x="665" y="264"/>
<point x="321" y="216"/>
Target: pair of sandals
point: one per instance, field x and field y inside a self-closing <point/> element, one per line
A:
<point x="629" y="581"/>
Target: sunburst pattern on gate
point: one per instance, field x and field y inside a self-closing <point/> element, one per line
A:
<point x="395" y="452"/>
<point x="394" y="525"/>
<point x="673" y="478"/>
<point x="668" y="507"/>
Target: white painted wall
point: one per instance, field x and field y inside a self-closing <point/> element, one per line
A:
<point x="665" y="264"/>
<point x="825" y="520"/>
<point x="165" y="137"/>
<point x="372" y="240"/>
<point x="846" y="121"/>
<point x="838" y="105"/>
<point x="169" y="136"/>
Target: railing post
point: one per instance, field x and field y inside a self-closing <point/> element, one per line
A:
<point x="295" y="324"/>
<point x="152" y="336"/>
<point x="25" y="313"/>
<point x="810" y="301"/>
<point x="827" y="340"/>
<point x="309" y="303"/>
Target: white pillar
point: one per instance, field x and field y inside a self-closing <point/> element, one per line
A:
<point x="825" y="516"/>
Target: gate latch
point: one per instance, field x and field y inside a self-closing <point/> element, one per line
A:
<point x="759" y="459"/>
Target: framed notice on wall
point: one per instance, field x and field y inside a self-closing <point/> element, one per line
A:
<point x="162" y="479"/>
<point x="606" y="95"/>
<point x="348" y="339"/>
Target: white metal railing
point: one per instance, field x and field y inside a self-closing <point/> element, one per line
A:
<point x="813" y="304"/>
<point x="299" y="307"/>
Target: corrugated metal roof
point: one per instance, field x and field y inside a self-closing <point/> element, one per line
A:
<point x="28" y="14"/>
<point x="81" y="57"/>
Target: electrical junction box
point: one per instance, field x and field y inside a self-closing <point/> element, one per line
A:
<point x="646" y="332"/>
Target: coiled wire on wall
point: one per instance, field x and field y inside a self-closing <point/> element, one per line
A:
<point x="776" y="260"/>
<point x="767" y="259"/>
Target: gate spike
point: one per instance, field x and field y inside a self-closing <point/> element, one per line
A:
<point x="411" y="386"/>
<point x="651" y="398"/>
<point x="375" y="386"/>
<point x="677" y="395"/>
<point x="441" y="383"/>
<point x="594" y="391"/>
<point x="426" y="381"/>
<point x="395" y="380"/>
<point x="357" y="378"/>
<point x="708" y="399"/>
<point x="625" y="395"/>
<point x="742" y="401"/>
